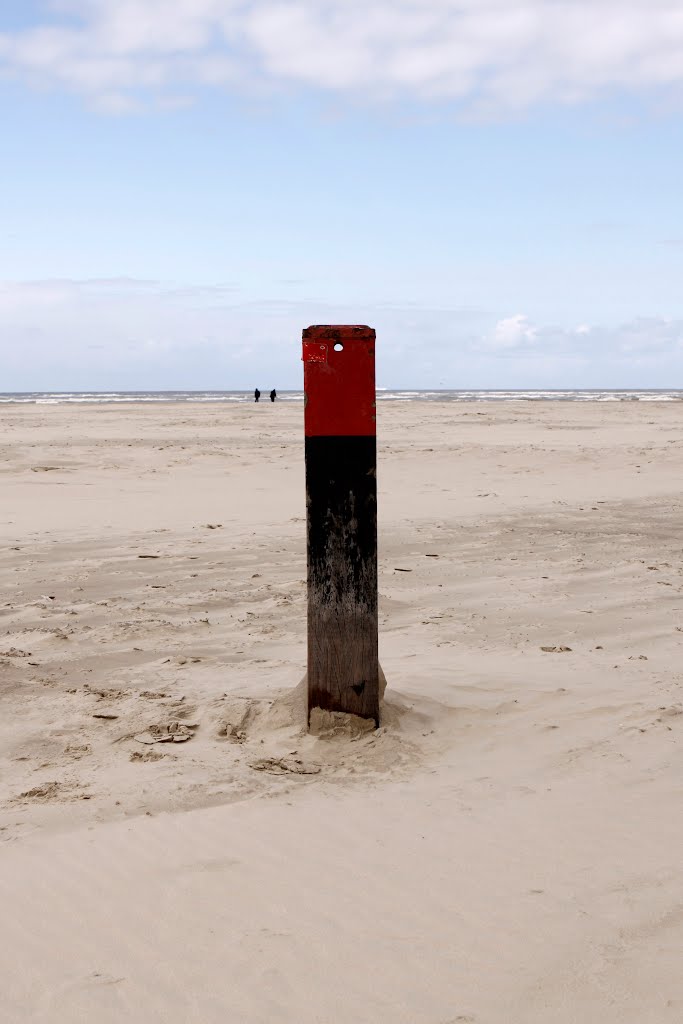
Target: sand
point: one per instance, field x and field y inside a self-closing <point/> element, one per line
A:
<point x="505" y="849"/>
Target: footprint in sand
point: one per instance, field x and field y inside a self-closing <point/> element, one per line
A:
<point x="146" y="755"/>
<point x="168" y="732"/>
<point x="49" y="792"/>
<point x="77" y="750"/>
<point x="284" y="766"/>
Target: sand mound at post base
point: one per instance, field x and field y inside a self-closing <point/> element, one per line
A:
<point x="292" y="709"/>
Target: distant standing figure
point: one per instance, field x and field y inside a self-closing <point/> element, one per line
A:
<point x="273" y="395"/>
<point x="257" y="394"/>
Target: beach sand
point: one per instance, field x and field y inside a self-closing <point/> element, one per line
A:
<point x="505" y="849"/>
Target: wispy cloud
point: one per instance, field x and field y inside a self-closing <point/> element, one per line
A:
<point x="638" y="339"/>
<point x="128" y="333"/>
<point x="487" y="56"/>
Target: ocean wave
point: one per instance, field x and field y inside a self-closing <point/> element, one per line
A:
<point x="383" y="395"/>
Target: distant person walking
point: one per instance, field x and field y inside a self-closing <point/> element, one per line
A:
<point x="257" y="394"/>
<point x="273" y="395"/>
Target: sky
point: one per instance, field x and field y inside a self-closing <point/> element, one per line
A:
<point x="494" y="185"/>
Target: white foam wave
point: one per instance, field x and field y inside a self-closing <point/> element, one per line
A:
<point x="383" y="395"/>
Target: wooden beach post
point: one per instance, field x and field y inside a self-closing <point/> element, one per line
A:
<point x="341" y="506"/>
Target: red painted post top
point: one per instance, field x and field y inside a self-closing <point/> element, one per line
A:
<point x="339" y="381"/>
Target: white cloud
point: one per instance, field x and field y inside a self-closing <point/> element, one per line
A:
<point x="491" y="56"/>
<point x="639" y="339"/>
<point x="512" y="332"/>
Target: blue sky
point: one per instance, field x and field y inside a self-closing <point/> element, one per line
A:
<point x="494" y="185"/>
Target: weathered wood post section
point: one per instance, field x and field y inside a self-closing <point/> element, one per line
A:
<point x="341" y="503"/>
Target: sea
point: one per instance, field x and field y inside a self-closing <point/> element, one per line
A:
<point x="383" y="394"/>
